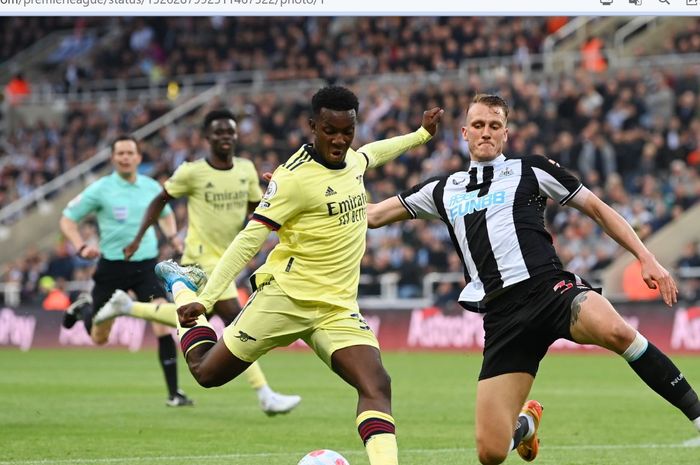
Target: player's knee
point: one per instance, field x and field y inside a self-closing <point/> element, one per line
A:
<point x="492" y="448"/>
<point x="205" y="378"/>
<point x="489" y="455"/>
<point x="208" y="382"/>
<point x="377" y="387"/>
<point x="384" y="384"/>
<point x="99" y="340"/>
<point x="99" y="337"/>
<point x="619" y="336"/>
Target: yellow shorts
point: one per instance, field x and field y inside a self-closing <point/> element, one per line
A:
<point x="208" y="263"/>
<point x="273" y="319"/>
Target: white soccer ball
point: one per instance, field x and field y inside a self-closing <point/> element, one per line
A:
<point x="323" y="457"/>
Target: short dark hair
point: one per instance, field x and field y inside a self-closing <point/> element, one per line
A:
<point x="491" y="100"/>
<point x="335" y="98"/>
<point x="126" y="137"/>
<point x="213" y="115"/>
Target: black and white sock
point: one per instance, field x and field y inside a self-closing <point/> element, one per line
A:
<point x="663" y="376"/>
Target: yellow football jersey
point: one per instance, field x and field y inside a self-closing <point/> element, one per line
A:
<point x="217" y="205"/>
<point x="320" y="215"/>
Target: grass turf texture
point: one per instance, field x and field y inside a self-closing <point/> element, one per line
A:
<point x="108" y="407"/>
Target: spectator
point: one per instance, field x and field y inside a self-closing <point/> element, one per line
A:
<point x="592" y="55"/>
<point x="410" y="274"/>
<point x="688" y="267"/>
<point x="690" y="258"/>
<point x="56" y="299"/>
<point x="17" y="90"/>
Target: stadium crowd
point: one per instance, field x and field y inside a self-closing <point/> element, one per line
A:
<point x="296" y="47"/>
<point x="633" y="138"/>
<point x="19" y="33"/>
<point x="686" y="41"/>
<point x="33" y="155"/>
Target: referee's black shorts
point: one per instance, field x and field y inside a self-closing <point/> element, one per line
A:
<point x="522" y="323"/>
<point x="138" y="277"/>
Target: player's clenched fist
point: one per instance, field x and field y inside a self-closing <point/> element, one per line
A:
<point x="431" y="118"/>
<point x="188" y="313"/>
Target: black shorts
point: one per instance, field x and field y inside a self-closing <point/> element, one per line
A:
<point x="522" y="323"/>
<point x="138" y="277"/>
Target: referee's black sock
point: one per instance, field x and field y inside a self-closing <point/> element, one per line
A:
<point x="86" y="316"/>
<point x="168" y="360"/>
<point x="664" y="377"/>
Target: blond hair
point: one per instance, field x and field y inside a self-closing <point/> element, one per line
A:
<point x="491" y="100"/>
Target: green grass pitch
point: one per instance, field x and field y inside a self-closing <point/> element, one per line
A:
<point x="97" y="406"/>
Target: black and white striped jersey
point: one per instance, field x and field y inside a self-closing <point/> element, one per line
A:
<point x="495" y="215"/>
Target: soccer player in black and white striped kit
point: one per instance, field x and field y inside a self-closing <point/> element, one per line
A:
<point x="494" y="211"/>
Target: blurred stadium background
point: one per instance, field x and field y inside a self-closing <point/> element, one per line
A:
<point x="615" y="99"/>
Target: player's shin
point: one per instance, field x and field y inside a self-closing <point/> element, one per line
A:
<point x="663" y="376"/>
<point x="378" y="432"/>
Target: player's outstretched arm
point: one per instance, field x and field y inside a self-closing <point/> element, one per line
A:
<point x="654" y="275"/>
<point x="386" y="212"/>
<point x="383" y="151"/>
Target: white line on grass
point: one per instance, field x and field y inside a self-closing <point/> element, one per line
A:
<point x="695" y="442"/>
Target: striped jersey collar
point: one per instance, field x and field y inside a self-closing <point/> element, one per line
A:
<point x="499" y="159"/>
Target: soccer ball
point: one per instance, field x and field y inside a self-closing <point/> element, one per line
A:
<point x="323" y="457"/>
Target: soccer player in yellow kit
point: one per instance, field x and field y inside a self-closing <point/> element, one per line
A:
<point x="307" y="289"/>
<point x="221" y="190"/>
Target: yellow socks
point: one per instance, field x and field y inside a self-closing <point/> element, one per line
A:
<point x="165" y="313"/>
<point x="182" y="294"/>
<point x="255" y="376"/>
<point x="378" y="432"/>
